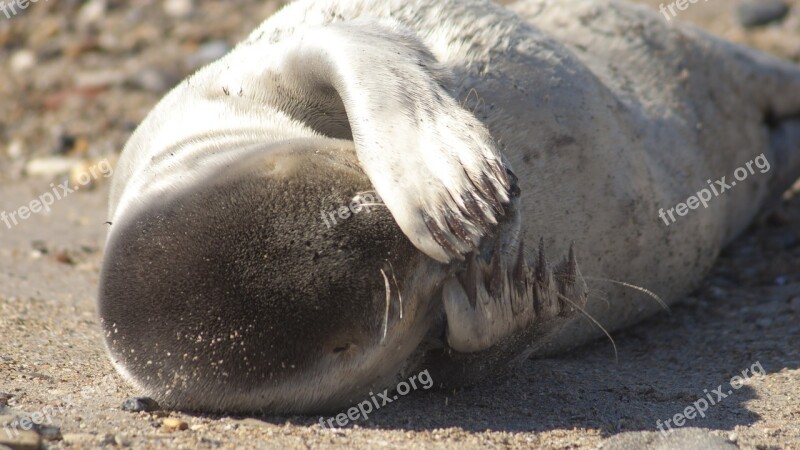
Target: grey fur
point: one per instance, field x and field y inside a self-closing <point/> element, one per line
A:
<point x="604" y="112"/>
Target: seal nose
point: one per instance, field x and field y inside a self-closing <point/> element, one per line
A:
<point x="234" y="295"/>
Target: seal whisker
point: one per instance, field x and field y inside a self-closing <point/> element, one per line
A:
<point x="633" y="286"/>
<point x="589" y="316"/>
<point x="397" y="286"/>
<point x="388" y="298"/>
<point x="599" y="294"/>
<point x="602" y="295"/>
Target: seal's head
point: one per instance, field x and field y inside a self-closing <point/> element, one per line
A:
<point x="279" y="285"/>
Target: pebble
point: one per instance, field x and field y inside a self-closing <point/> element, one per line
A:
<point x="151" y="80"/>
<point x="21" y="440"/>
<point x="49" y="432"/>
<point x="179" y="9"/>
<point x="122" y="441"/>
<point x="6" y="419"/>
<point x="764" y="322"/>
<point x="756" y="13"/>
<point x="794" y="304"/>
<point x="717" y="293"/>
<point x="140" y="404"/>
<point x="86" y="174"/>
<point x="781" y="240"/>
<point x="78" y="438"/>
<point x="49" y="167"/>
<point x="22" y="61"/>
<point x="5" y="397"/>
<point x="15" y="148"/>
<point x="174" y="424"/>
<point x="208" y="52"/>
<point x="91" y="12"/>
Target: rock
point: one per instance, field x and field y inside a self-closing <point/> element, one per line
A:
<point x="20" y="440"/>
<point x="78" y="438"/>
<point x="91" y="12"/>
<point x="49" y="432"/>
<point x="764" y="322"/>
<point x="151" y="80"/>
<point x="140" y="404"/>
<point x="781" y="240"/>
<point x="5" y="397"/>
<point x="794" y="304"/>
<point x="782" y="280"/>
<point x="179" y="9"/>
<point x="683" y="438"/>
<point x="756" y="13"/>
<point x="15" y="148"/>
<point x="174" y="424"/>
<point x="86" y="174"/>
<point x="49" y="167"/>
<point x="22" y="61"/>
<point x="122" y="441"/>
<point x="208" y="52"/>
<point x="94" y="79"/>
<point x="6" y="419"/>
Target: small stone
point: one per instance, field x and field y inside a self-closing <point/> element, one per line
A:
<point x="22" y="61"/>
<point x="20" y="440"/>
<point x="140" y="404"/>
<point x="122" y="441"/>
<point x="764" y="322"/>
<point x="78" y="438"/>
<point x="207" y="53"/>
<point x="151" y="80"/>
<point x="794" y="304"/>
<point x="733" y="437"/>
<point x="5" y="397"/>
<point x="15" y="148"/>
<point x="91" y="12"/>
<point x="49" y="167"/>
<point x="717" y="293"/>
<point x="50" y="432"/>
<point x="756" y="13"/>
<point x="174" y="424"/>
<point x="7" y="419"/>
<point x="179" y="9"/>
<point x="83" y="174"/>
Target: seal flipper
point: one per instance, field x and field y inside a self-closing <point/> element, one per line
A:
<point x="433" y="163"/>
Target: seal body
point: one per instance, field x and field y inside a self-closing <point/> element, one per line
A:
<point x="492" y="135"/>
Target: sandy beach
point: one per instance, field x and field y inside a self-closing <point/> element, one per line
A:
<point x="77" y="78"/>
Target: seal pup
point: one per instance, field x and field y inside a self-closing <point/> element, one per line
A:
<point x="494" y="136"/>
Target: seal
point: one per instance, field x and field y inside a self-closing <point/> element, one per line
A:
<point x="495" y="139"/>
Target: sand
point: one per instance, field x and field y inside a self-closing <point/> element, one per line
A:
<point x="94" y="77"/>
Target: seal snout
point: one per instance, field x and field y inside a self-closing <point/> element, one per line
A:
<point x="232" y="294"/>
